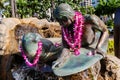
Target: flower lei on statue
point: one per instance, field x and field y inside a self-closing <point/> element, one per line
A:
<point x="37" y="56"/>
<point x="75" y="42"/>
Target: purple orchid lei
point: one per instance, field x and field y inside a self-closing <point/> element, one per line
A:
<point x="37" y="56"/>
<point x="75" y="42"/>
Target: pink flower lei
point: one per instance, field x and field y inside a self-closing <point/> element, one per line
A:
<point x="37" y="56"/>
<point x="75" y="42"/>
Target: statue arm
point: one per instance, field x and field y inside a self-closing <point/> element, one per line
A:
<point x="50" y="49"/>
<point x="99" y="25"/>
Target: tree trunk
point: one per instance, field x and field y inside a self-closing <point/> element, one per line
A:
<point x="12" y="2"/>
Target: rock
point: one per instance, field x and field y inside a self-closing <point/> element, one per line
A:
<point x="10" y="22"/>
<point x="51" y="30"/>
<point x="28" y="20"/>
<point x="110" y="69"/>
<point x="2" y="37"/>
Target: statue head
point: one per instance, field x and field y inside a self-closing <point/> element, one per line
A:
<point x="63" y="13"/>
<point x="30" y="44"/>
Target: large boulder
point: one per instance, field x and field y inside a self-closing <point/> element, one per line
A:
<point x="12" y="29"/>
<point x="11" y="32"/>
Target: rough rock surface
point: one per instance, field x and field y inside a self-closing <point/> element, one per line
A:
<point x="110" y="69"/>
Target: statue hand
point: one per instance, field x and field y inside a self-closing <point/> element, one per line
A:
<point x="98" y="51"/>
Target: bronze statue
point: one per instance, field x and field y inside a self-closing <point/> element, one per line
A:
<point x="82" y="36"/>
<point x="38" y="54"/>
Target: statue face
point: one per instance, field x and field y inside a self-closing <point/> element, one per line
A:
<point x="64" y="21"/>
<point x="30" y="43"/>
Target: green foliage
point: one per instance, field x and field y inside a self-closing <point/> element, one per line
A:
<point x="1" y="5"/>
<point x="88" y="10"/>
<point x="107" y="7"/>
<point x="7" y="11"/>
<point x="110" y="49"/>
<point x="5" y="8"/>
<point x="30" y="7"/>
<point x="27" y="8"/>
<point x="110" y="23"/>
